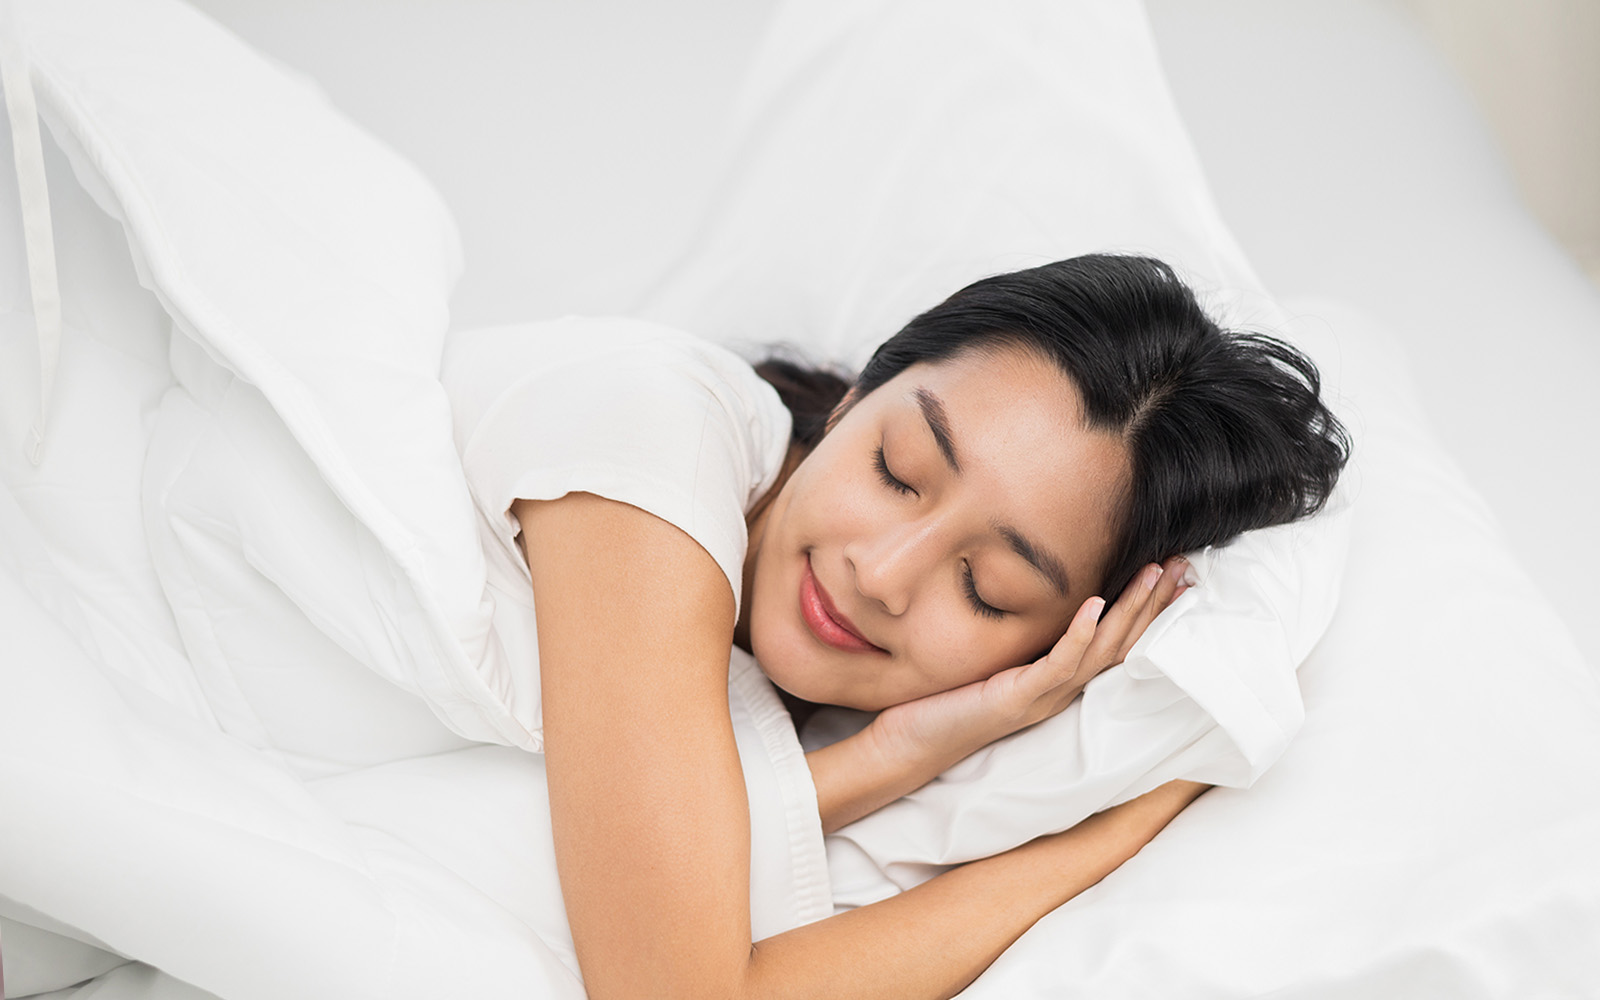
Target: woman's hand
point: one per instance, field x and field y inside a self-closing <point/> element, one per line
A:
<point x="908" y="745"/>
<point x="952" y="724"/>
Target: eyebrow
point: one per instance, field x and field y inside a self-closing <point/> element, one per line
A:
<point x="1048" y="566"/>
<point x="932" y="408"/>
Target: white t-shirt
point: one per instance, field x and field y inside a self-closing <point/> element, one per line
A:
<point x="628" y="410"/>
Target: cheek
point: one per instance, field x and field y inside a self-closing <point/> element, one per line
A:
<point x="955" y="647"/>
<point x="949" y="648"/>
<point x="828" y="506"/>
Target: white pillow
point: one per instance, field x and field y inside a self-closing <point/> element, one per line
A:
<point x="890" y="152"/>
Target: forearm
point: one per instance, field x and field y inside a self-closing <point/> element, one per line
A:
<point x="864" y="772"/>
<point x="933" y="940"/>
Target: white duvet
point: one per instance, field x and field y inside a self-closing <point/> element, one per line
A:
<point x="246" y="565"/>
<point x="256" y="732"/>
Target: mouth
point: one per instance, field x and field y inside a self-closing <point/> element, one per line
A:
<point x="824" y="620"/>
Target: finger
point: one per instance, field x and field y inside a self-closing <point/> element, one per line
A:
<point x="1162" y="595"/>
<point x="1114" y="627"/>
<point x="1089" y="653"/>
<point x="1064" y="658"/>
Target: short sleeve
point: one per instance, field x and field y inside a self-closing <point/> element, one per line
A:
<point x="628" y="410"/>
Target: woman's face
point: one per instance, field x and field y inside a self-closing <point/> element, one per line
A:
<point x="945" y="529"/>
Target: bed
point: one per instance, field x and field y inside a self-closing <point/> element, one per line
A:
<point x="177" y="824"/>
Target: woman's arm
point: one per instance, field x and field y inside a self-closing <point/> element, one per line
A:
<point x="935" y="939"/>
<point x="649" y="808"/>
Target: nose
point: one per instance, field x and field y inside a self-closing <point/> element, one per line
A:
<point x="889" y="563"/>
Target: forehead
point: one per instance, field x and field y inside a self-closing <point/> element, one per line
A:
<point x="982" y="379"/>
<point x="1025" y="455"/>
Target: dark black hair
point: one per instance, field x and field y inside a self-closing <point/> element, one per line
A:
<point x="1226" y="431"/>
<point x="811" y="394"/>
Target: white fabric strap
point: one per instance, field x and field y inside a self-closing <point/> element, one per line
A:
<point x="36" y="231"/>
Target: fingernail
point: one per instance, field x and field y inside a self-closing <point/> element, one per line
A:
<point x="1152" y="575"/>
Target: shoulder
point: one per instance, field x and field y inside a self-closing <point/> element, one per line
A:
<point x="631" y="411"/>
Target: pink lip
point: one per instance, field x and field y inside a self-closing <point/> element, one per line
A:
<point x="825" y="621"/>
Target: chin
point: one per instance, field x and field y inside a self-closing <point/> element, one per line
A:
<point x="779" y="668"/>
<point x="788" y="667"/>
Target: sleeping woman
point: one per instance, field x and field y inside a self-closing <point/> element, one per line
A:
<point x="934" y="542"/>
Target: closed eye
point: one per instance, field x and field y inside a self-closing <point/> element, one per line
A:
<point x="889" y="479"/>
<point x="979" y="605"/>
